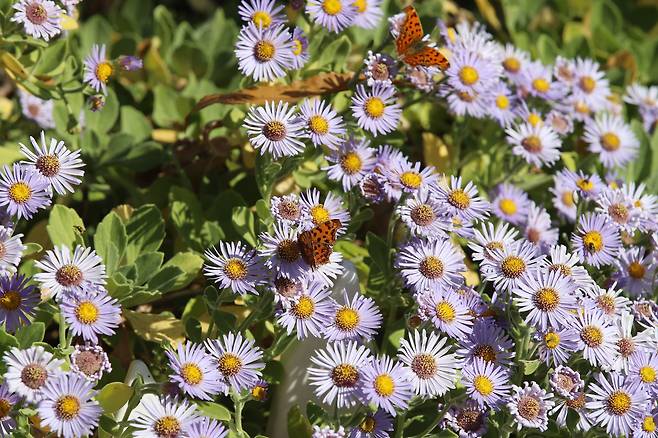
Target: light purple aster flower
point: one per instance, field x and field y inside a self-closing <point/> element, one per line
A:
<point x="566" y="382"/>
<point x="380" y="69"/>
<point x="264" y="54"/>
<point x="424" y="216"/>
<point x="29" y="370"/>
<point x="68" y="407"/>
<point x="11" y="250"/>
<point x="587" y="186"/>
<point x="234" y="266"/>
<point x="614" y="404"/>
<point x="18" y="301"/>
<point x="609" y="302"/>
<point x="60" y="166"/>
<point x="358" y="318"/>
<point x="538" y="145"/>
<point x="447" y="311"/>
<point x="334" y="15"/>
<point x="563" y="195"/>
<point x="503" y="106"/>
<point x="23" y="191"/>
<point x="373" y="425"/>
<point x="281" y="252"/>
<point x="635" y="271"/>
<point x="597" y="337"/>
<point x="98" y="69"/>
<point x="620" y="209"/>
<point x="510" y="203"/>
<point x="328" y="432"/>
<point x="353" y="160"/>
<point x="429" y="363"/>
<point x="368" y="14"/>
<point x="462" y="203"/>
<point x="431" y="264"/>
<point x="596" y="240"/>
<point x="486" y="383"/>
<point x="643" y="371"/>
<point x="38" y="110"/>
<point x="538" y="229"/>
<point x="322" y="124"/>
<point x="590" y="84"/>
<point x="488" y="342"/>
<point x="64" y="272"/>
<point x="577" y="405"/>
<point x="320" y="212"/>
<point x="40" y="18"/>
<point x="194" y="371"/>
<point x="262" y="13"/>
<point x="471" y="73"/>
<point x="90" y="362"/>
<point x="91" y="313"/>
<point x="130" y="63"/>
<point x="275" y="129"/>
<point x="612" y="139"/>
<point x="509" y="265"/>
<point x="309" y="313"/>
<point x="163" y="417"/>
<point x="238" y="360"/>
<point x="375" y="109"/>
<point x="384" y="384"/>
<point x="468" y="420"/>
<point x="406" y="177"/>
<point x="560" y="122"/>
<point x="464" y="103"/>
<point x="373" y="187"/>
<point x="289" y="209"/>
<point x="538" y="81"/>
<point x="560" y="260"/>
<point x="646" y="426"/>
<point x="557" y="345"/>
<point x="207" y="428"/>
<point x="9" y="403"/>
<point x="530" y="405"/>
<point x="422" y="78"/>
<point x="337" y="371"/>
<point x="490" y="237"/>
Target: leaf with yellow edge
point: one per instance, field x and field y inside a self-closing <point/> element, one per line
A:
<point x="69" y="23"/>
<point x="13" y="66"/>
<point x="156" y="328"/>
<point x="435" y="152"/>
<point x="113" y="396"/>
<point x="489" y="13"/>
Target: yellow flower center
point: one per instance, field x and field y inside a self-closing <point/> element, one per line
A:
<point x="445" y="311"/>
<point x="648" y="374"/>
<point x="423" y="215"/>
<point x="528" y="407"/>
<point x="483" y="385"/>
<point x="374" y="107"/>
<point x="384" y="385"/>
<point x="619" y="213"/>
<point x="167" y="427"/>
<point x="191" y="373"/>
<point x="502" y="102"/>
<point x="297" y="47"/>
<point x="345" y="375"/>
<point x="319" y="214"/>
<point x="534" y="119"/>
<point x="648" y="424"/>
<point x="235" y="269"/>
<point x="274" y="130"/>
<point x="531" y="144"/>
<point x="361" y="5"/>
<point x="262" y="19"/>
<point x="87" y="312"/>
<point x="552" y="340"/>
<point x="592" y="336"/>
<point x="512" y="65"/>
<point x="619" y="402"/>
<point x="10" y="300"/>
<point x="567" y="198"/>
<point x="424" y="366"/>
<point x="69" y="275"/>
<point x="431" y="267"/>
<point x="507" y="206"/>
<point x="581" y="107"/>
<point x="288" y="250"/>
<point x="36" y="13"/>
<point x="104" y="71"/>
<point x="585" y="184"/>
<point x="34" y="376"/>
<point x="318" y="125"/>
<point x="332" y="7"/>
<point x="546" y="299"/>
<point x="587" y="84"/>
<point x="67" y="407"/>
<point x="48" y="165"/>
<point x="513" y="267"/>
<point x="459" y="199"/>
<point x="264" y="51"/>
<point x="304" y="308"/>
<point x="541" y="85"/>
<point x="5" y="407"/>
<point x="347" y="319"/>
<point x="610" y="141"/>
<point x="593" y="241"/>
<point x="351" y="163"/>
<point x="259" y="392"/>
<point x="229" y="364"/>
<point x="368" y="424"/>
<point x="468" y="75"/>
<point x="636" y="270"/>
<point x="20" y="192"/>
<point x="485" y="352"/>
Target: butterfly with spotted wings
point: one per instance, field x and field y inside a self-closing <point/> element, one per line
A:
<point x="412" y="49"/>
<point x="316" y="244"/>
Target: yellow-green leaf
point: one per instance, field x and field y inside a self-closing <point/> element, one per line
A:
<point x="113" y="396"/>
<point x="156" y="328"/>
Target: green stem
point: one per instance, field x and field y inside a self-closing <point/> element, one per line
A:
<point x="399" y="425"/>
<point x="63" y="344"/>
<point x="239" y="404"/>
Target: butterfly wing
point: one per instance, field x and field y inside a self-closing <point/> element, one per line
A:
<point x="305" y="244"/>
<point x="326" y="232"/>
<point x="411" y="31"/>
<point x="426" y="57"/>
<point x="315" y="245"/>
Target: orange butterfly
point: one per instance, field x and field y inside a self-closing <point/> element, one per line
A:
<point x="316" y="244"/>
<point x="411" y="47"/>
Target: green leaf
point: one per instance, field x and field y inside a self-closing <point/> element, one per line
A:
<point x="225" y="322"/>
<point x="64" y="226"/>
<point x="102" y="121"/>
<point x="51" y="59"/>
<point x="298" y="424"/>
<point x="135" y="123"/>
<point x="29" y="334"/>
<point x="187" y="216"/>
<point x="156" y="327"/>
<point x="32" y="248"/>
<point x="189" y="264"/>
<point x="180" y="60"/>
<point x="110" y="241"/>
<point x="245" y="225"/>
<point x="146" y="231"/>
<point x="214" y="410"/>
<point x="378" y="251"/>
<point x="395" y="337"/>
<point x="274" y="372"/>
<point x="147" y="265"/>
<point x="169" y="106"/>
<point x="113" y="396"/>
<point x="530" y="366"/>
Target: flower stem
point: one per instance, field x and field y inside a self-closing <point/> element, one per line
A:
<point x="239" y="404"/>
